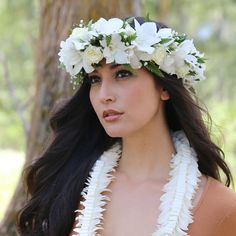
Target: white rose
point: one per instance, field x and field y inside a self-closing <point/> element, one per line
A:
<point x="168" y="65"/>
<point x="159" y="55"/>
<point x="93" y="54"/>
<point x="182" y="71"/>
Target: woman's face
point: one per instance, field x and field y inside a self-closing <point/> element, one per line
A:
<point x="133" y="94"/>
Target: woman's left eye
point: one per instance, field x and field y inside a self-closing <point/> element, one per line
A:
<point x="123" y="73"/>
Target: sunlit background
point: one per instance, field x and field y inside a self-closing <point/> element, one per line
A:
<point x="211" y="23"/>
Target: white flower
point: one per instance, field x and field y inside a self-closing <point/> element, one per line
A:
<point x="165" y="33"/>
<point x="182" y="71"/>
<point x="74" y="60"/>
<point x="128" y="30"/>
<point x="168" y="65"/>
<point x="82" y="34"/>
<point x="184" y="52"/>
<point x="159" y="55"/>
<point x="116" y="51"/>
<point x="81" y="37"/>
<point x="70" y="57"/>
<point x="108" y="27"/>
<point x="146" y="36"/>
<point x="133" y="58"/>
<point x="93" y="54"/>
<point x="146" y="44"/>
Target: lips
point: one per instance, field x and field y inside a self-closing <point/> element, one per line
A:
<point x="111" y="112"/>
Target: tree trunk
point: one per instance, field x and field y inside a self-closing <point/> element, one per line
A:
<point x="56" y="20"/>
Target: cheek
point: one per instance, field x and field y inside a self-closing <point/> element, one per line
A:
<point x="93" y="100"/>
<point x="143" y="100"/>
<point x="142" y="106"/>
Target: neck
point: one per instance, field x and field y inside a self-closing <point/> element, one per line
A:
<point x="147" y="155"/>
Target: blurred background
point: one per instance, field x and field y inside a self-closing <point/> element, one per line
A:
<point x="31" y="83"/>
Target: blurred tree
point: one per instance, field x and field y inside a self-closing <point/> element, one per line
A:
<point x="56" y="20"/>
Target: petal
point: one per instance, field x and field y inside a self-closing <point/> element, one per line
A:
<point x="165" y="33"/>
<point x="87" y="67"/>
<point x="121" y="57"/>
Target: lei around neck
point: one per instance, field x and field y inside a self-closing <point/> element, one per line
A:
<point x="176" y="202"/>
<point x="142" y="46"/>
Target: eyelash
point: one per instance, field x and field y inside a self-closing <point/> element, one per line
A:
<point x="123" y="73"/>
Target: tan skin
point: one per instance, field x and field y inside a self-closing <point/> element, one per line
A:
<point x="144" y="167"/>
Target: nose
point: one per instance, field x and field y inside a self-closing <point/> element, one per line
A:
<point x="106" y="93"/>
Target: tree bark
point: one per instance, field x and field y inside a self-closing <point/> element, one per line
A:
<point x="51" y="84"/>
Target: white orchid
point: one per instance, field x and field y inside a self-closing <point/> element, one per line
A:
<point x="70" y="57"/>
<point x="142" y="42"/>
<point x="81" y="37"/>
<point x="165" y="33"/>
<point x="108" y="27"/>
<point x="115" y="51"/>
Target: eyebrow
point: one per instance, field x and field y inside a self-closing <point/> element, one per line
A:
<point x="112" y="66"/>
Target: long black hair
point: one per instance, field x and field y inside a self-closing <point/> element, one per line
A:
<point x="55" y="181"/>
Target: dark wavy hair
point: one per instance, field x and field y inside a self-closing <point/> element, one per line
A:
<point x="55" y="181"/>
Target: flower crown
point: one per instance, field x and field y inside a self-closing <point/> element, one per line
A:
<point x="142" y="46"/>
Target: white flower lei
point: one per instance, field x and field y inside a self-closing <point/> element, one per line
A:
<point x="117" y="42"/>
<point x="176" y="202"/>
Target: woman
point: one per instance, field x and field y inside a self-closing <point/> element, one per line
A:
<point x="130" y="150"/>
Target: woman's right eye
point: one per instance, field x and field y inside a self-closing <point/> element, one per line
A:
<point x="94" y="79"/>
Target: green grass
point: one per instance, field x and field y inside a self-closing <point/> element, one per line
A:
<point x="11" y="163"/>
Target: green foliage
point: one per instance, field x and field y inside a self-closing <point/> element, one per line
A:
<point x="18" y="36"/>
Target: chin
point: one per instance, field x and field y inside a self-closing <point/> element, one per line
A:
<point x="119" y="133"/>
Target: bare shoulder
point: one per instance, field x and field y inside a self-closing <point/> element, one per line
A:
<point x="226" y="199"/>
<point x="215" y="213"/>
<point x="222" y="192"/>
<point x="217" y="199"/>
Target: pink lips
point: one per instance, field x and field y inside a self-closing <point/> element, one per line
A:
<point x="110" y="115"/>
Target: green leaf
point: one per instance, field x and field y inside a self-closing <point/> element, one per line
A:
<point x="90" y="24"/>
<point x="130" y="20"/>
<point x="61" y="66"/>
<point x="151" y="66"/>
<point x="192" y="73"/>
<point x="130" y="68"/>
<point x="147" y="17"/>
<point x="180" y="38"/>
<point x="165" y="40"/>
<point x="201" y="60"/>
<point x="108" y="40"/>
<point x="131" y="37"/>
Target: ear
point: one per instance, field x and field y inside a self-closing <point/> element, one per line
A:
<point x="164" y="94"/>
